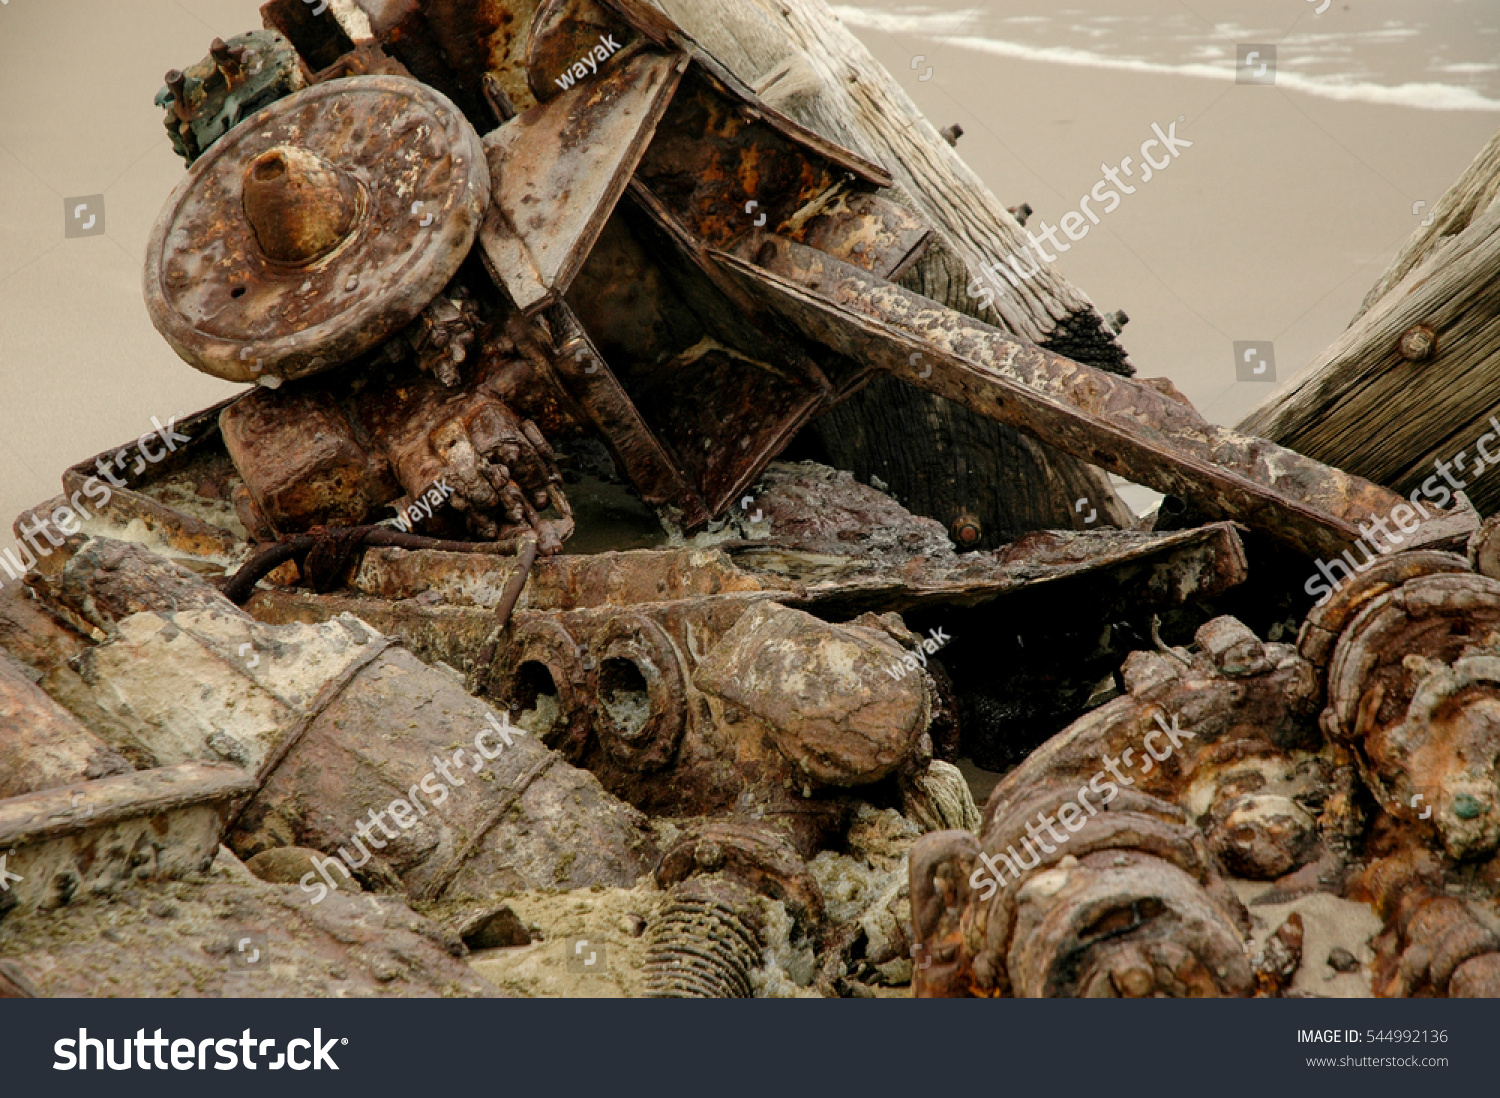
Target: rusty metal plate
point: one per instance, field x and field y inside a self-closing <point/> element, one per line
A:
<point x="1126" y="426"/>
<point x="560" y="168"/>
<point x="370" y="189"/>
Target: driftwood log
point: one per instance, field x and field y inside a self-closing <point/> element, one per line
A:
<point x="1412" y="381"/>
<point x="939" y="459"/>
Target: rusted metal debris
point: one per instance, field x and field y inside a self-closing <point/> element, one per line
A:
<point x="547" y="282"/>
<point x="670" y="264"/>
<point x="1275" y="794"/>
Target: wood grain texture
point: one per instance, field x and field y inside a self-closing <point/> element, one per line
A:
<point x="937" y="458"/>
<point x="1388" y="414"/>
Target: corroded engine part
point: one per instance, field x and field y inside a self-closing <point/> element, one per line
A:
<point x="42" y="745"/>
<point x="1442" y="949"/>
<point x="300" y="242"/>
<point x="441" y="338"/>
<point x="1433" y="943"/>
<point x="309" y="458"/>
<point x="1414" y="687"/>
<point x="614" y="688"/>
<point x="199" y="933"/>
<point x="1227" y="732"/>
<point x="1263" y="816"/>
<point x="577" y="632"/>
<point x="1183" y="716"/>
<point x="819" y="693"/>
<point x="705" y="942"/>
<point x="236" y="79"/>
<point x="1127" y="903"/>
<point x="753" y="856"/>
<point x="1326" y="622"/>
<point x="92" y="838"/>
<point x="342" y="730"/>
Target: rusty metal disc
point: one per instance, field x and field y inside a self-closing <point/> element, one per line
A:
<point x="381" y="183"/>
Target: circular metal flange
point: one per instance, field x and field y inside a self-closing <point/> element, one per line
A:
<point x="542" y="645"/>
<point x="415" y="176"/>
<point x="641" y="692"/>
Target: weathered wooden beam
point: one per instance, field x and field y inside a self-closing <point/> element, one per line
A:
<point x="1413" y="380"/>
<point x="1145" y="431"/>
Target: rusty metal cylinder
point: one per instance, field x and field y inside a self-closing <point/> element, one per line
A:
<point x="1124" y="902"/>
<point x="366" y="753"/>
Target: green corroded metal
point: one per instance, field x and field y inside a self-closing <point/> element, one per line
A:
<point x="235" y="80"/>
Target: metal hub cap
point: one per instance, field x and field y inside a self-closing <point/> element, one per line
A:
<point x="316" y="229"/>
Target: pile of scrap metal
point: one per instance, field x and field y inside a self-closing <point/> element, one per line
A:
<point x="488" y="610"/>
<point x="1364" y="762"/>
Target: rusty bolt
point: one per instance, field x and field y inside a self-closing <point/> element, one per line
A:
<point x="177" y="85"/>
<point x="1418" y="344"/>
<point x="228" y="59"/>
<point x="966" y="531"/>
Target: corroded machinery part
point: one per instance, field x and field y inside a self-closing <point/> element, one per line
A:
<point x="821" y="691"/>
<point x="1324" y="623"/>
<point x="309" y="459"/>
<point x="545" y="676"/>
<point x="1442" y="949"/>
<point x="1260" y="809"/>
<point x="1123" y="926"/>
<point x="1125" y="901"/>
<point x="300" y="207"/>
<point x="301" y="462"/>
<point x="301" y="241"/>
<point x="641" y="693"/>
<point x="1414" y="687"/>
<point x="752" y="856"/>
<point x="1433" y="943"/>
<point x="236" y="79"/>
<point x="346" y="732"/>
<point x="1235" y="697"/>
<point x="1226" y="731"/>
<point x="705" y="943"/>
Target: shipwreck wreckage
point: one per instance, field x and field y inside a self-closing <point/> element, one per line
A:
<point x="557" y="288"/>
